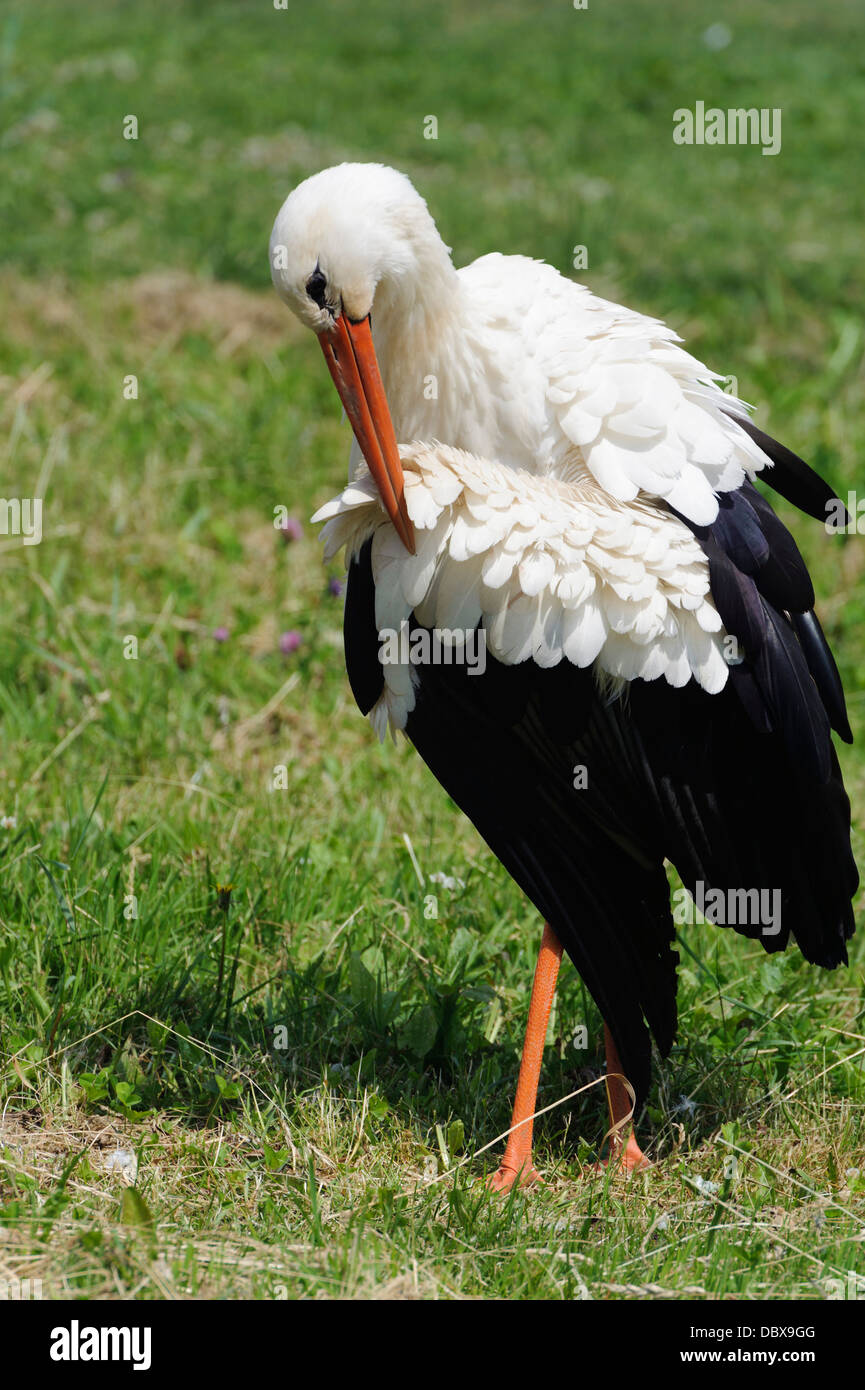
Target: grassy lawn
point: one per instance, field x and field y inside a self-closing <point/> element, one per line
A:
<point x="281" y="1090"/>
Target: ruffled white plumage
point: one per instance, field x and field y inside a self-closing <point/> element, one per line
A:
<point x="626" y="403"/>
<point x="552" y="570"/>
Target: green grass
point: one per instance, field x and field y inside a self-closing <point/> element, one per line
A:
<point x="307" y="1076"/>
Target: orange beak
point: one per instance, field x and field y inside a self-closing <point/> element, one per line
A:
<point x="351" y="360"/>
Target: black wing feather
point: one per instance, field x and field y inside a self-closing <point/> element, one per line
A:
<point x="671" y="773"/>
<point x="755" y="584"/>
<point x="791" y="476"/>
<point x="739" y="790"/>
<point x="360" y="633"/>
<point x="821" y="664"/>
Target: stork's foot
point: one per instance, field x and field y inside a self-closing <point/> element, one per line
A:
<point x="626" y="1158"/>
<point x="625" y="1154"/>
<point x="507" y="1177"/>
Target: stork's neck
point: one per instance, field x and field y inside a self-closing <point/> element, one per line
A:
<point x="413" y="312"/>
<point x="441" y="367"/>
<point x="425" y="347"/>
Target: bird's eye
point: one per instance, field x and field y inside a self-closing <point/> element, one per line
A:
<point x="315" y="288"/>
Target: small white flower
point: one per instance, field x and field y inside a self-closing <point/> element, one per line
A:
<point x="8" y="822"/>
<point x="685" y="1106"/>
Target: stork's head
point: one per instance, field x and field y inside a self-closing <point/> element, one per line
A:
<point x="339" y="239"/>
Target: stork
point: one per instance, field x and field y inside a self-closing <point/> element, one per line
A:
<point x="576" y="487"/>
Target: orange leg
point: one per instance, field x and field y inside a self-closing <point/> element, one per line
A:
<point x="517" y="1166"/>
<point x="625" y="1152"/>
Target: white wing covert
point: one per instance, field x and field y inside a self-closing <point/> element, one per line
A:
<point x="641" y="413"/>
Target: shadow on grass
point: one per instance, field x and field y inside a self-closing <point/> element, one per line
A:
<point x="315" y="1035"/>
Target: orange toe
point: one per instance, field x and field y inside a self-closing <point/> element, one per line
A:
<point x="628" y="1157"/>
<point x="506" y="1177"/>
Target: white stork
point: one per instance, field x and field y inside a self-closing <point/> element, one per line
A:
<point x="577" y="486"/>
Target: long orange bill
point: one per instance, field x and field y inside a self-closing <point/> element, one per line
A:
<point x="351" y="360"/>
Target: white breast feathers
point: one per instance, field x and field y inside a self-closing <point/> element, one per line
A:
<point x="552" y="571"/>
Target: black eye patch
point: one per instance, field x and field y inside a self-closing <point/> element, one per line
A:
<point x="315" y="288"/>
